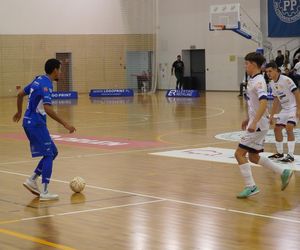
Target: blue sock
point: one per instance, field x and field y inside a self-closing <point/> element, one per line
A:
<point x="38" y="170"/>
<point x="45" y="188"/>
<point x="47" y="168"/>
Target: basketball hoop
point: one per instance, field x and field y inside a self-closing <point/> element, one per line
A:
<point x="234" y="17"/>
<point x="224" y="16"/>
<point x="219" y="27"/>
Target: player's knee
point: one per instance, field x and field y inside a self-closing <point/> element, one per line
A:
<point x="253" y="158"/>
<point x="290" y="127"/>
<point x="55" y="153"/>
<point x="250" y="157"/>
<point x="278" y="128"/>
<point x="238" y="155"/>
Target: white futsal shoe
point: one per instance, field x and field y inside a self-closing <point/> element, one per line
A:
<point x="48" y="196"/>
<point x="32" y="186"/>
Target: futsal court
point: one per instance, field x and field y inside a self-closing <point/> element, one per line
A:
<point x="160" y="171"/>
<point x="135" y="199"/>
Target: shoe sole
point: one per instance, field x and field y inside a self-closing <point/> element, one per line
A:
<point x="244" y="197"/>
<point x="283" y="161"/>
<point x="31" y="190"/>
<point x="276" y="159"/>
<point x="288" y="181"/>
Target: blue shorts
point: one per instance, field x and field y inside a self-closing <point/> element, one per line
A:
<point x="41" y="143"/>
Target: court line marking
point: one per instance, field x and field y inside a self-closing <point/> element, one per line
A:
<point x="221" y="111"/>
<point x="138" y="123"/>
<point x="111" y="113"/>
<point x="111" y="207"/>
<point x="160" y="199"/>
<point x="34" y="239"/>
<point x="119" y="152"/>
<point x="159" y="137"/>
<point x="51" y="244"/>
<point x="81" y="211"/>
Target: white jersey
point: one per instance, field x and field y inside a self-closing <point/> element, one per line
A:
<point x="257" y="90"/>
<point x="283" y="88"/>
<point x="297" y="68"/>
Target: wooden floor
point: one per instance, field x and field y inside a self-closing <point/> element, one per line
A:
<point x="137" y="200"/>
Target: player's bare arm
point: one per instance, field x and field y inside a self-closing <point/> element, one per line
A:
<point x="297" y="97"/>
<point x="49" y="110"/>
<point x="275" y="109"/>
<point x="20" y="98"/>
<point x="245" y="121"/>
<point x="260" y="112"/>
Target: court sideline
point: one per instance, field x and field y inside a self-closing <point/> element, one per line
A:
<point x="137" y="200"/>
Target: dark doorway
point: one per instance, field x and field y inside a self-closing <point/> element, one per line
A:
<point x="65" y="81"/>
<point x="194" y="61"/>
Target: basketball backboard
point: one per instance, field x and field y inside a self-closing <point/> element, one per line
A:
<point x="233" y="17"/>
<point x="224" y="17"/>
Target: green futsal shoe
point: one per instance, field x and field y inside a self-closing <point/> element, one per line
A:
<point x="285" y="178"/>
<point x="248" y="191"/>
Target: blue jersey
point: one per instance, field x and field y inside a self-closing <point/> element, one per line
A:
<point x="39" y="93"/>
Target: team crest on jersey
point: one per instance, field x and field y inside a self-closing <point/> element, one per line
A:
<point x="278" y="87"/>
<point x="288" y="11"/>
<point x="45" y="89"/>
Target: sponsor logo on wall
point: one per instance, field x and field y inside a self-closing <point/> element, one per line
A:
<point x="288" y="11"/>
<point x="283" y="18"/>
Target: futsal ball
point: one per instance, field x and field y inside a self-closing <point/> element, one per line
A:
<point x="77" y="184"/>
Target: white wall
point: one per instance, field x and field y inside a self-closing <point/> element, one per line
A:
<point x="185" y="23"/>
<point x="180" y="25"/>
<point x="76" y="17"/>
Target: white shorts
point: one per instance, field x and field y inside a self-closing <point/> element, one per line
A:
<point x="286" y="116"/>
<point x="253" y="142"/>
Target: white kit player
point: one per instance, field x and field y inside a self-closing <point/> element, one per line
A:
<point x="287" y="101"/>
<point x="256" y="127"/>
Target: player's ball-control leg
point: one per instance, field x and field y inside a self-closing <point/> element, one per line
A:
<point x="32" y="186"/>
<point x="285" y="178"/>
<point x="46" y="196"/>
<point x="248" y="191"/>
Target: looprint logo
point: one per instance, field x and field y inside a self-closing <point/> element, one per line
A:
<point x="288" y="11"/>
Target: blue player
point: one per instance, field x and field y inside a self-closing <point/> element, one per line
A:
<point x="34" y="124"/>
